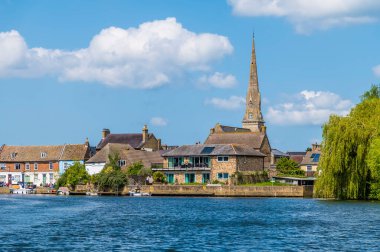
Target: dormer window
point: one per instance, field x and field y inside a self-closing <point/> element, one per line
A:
<point x="13" y="155"/>
<point x="43" y="155"/>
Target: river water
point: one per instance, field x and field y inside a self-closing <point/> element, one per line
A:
<point x="79" y="223"/>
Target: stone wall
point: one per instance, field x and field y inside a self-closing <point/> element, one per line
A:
<point x="229" y="167"/>
<point x="266" y="149"/>
<point x="226" y="191"/>
<point x="4" y="190"/>
<point x="250" y="163"/>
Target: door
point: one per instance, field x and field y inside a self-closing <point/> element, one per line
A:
<point x="205" y="178"/>
<point x="43" y="179"/>
<point x="189" y="178"/>
<point x="170" y="178"/>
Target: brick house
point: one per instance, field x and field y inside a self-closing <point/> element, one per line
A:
<point x="203" y="163"/>
<point x="36" y="164"/>
<point x="310" y="161"/>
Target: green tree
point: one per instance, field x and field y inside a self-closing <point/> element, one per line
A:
<point x="74" y="175"/>
<point x="288" y="166"/>
<point x="111" y="177"/>
<point x="159" y="177"/>
<point x="350" y="153"/>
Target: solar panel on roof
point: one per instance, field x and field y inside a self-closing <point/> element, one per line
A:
<point x="207" y="150"/>
<point x="316" y="157"/>
<point x="312" y="155"/>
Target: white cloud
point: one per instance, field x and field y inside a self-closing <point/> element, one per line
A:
<point x="148" y="56"/>
<point x="232" y="103"/>
<point x="309" y="108"/>
<point x="309" y="15"/>
<point x="376" y="70"/>
<point x="158" y="121"/>
<point x="219" y="80"/>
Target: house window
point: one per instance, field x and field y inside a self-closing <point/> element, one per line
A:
<point x="35" y="178"/>
<point x="17" y="166"/>
<point x="3" y="166"/>
<point x="223" y="175"/>
<point x="122" y="163"/>
<point x="27" y="166"/>
<point x="51" y="177"/>
<point x="309" y="168"/>
<point x="43" y="155"/>
<point x="50" y="166"/>
<point x="35" y="166"/>
<point x="189" y="178"/>
<point x="222" y="159"/>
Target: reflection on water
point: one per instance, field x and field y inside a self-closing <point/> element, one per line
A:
<point x="196" y="224"/>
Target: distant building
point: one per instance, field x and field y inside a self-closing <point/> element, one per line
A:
<point x="253" y="132"/>
<point x="127" y="154"/>
<point x="277" y="155"/>
<point x="296" y="156"/>
<point x="204" y="163"/>
<point x="39" y="165"/>
<point x="311" y="160"/>
<point x="139" y="141"/>
<point x="73" y="153"/>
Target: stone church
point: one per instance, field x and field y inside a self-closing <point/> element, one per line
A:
<point x="253" y="131"/>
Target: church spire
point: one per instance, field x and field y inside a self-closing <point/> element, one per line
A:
<point x="253" y="119"/>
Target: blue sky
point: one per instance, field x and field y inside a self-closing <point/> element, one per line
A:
<point x="70" y="68"/>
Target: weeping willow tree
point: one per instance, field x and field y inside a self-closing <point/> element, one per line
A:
<point x="350" y="162"/>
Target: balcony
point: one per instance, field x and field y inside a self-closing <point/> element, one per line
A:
<point x="184" y="167"/>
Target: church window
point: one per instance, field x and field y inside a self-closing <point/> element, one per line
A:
<point x="250" y="116"/>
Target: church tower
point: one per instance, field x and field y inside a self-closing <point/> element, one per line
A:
<point x="253" y="119"/>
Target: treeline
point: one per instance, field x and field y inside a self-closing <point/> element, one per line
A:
<point x="350" y="162"/>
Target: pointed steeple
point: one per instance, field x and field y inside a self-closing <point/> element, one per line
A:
<point x="253" y="118"/>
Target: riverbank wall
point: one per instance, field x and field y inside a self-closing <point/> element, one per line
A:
<point x="225" y="191"/>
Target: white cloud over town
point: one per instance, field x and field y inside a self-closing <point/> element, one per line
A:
<point x="307" y="16"/>
<point x="231" y="103"/>
<point x="148" y="56"/>
<point x="308" y="108"/>
<point x="376" y="70"/>
<point x="219" y="80"/>
<point x="158" y="121"/>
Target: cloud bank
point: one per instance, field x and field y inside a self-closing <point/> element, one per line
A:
<point x="219" y="80"/>
<point x="309" y="15"/>
<point x="158" y="121"/>
<point x="309" y="108"/>
<point x="151" y="55"/>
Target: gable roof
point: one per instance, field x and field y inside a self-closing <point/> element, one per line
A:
<point x="252" y="139"/>
<point x="278" y="153"/>
<point x="311" y="157"/>
<point x="75" y="152"/>
<point x="127" y="153"/>
<point x="31" y="153"/>
<point x="213" y="150"/>
<point x="134" y="140"/>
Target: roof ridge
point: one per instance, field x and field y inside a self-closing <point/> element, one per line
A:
<point x="233" y="147"/>
<point x="62" y="151"/>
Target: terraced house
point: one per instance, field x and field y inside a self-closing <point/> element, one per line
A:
<point x="38" y="164"/>
<point x="204" y="163"/>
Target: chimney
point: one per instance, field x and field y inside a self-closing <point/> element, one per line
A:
<point x="87" y="142"/>
<point x="315" y="147"/>
<point x="105" y="133"/>
<point x="212" y="131"/>
<point x="159" y="144"/>
<point x="145" y="133"/>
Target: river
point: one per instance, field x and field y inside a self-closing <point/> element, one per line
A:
<point x="54" y="223"/>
